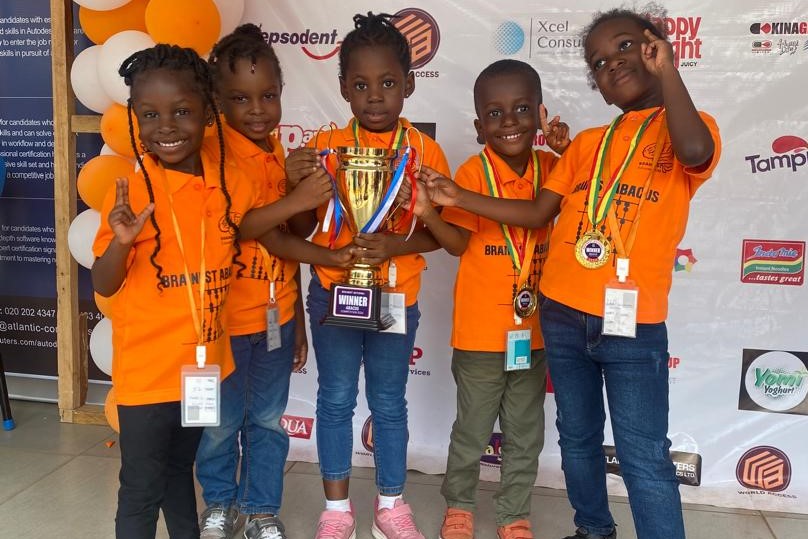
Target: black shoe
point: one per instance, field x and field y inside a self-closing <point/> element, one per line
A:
<point x="582" y="533"/>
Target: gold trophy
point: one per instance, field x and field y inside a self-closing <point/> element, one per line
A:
<point x="363" y="178"/>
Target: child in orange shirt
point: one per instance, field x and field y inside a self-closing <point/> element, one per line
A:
<point x="176" y="252"/>
<point x="375" y="78"/>
<point x="602" y="320"/>
<point x="495" y="303"/>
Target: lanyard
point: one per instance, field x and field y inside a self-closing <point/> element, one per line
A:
<point x="397" y="136"/>
<point x="624" y="250"/>
<point x="518" y="254"/>
<point x="271" y="268"/>
<point x="189" y="287"/>
<point x="599" y="197"/>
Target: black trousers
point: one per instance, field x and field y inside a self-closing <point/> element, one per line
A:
<point x="157" y="461"/>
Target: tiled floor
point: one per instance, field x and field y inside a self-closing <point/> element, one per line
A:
<point x="60" y="480"/>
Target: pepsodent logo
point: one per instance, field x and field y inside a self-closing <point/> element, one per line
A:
<point x="684" y="261"/>
<point x="773" y="262"/>
<point x="774" y="381"/>
<point x="683" y="33"/>
<point x="423" y="34"/>
<point x="790" y="153"/>
<point x="764" y="468"/>
<point x="316" y="45"/>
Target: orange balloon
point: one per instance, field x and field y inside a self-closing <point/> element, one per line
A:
<point x="187" y="23"/>
<point x="101" y="25"/>
<point x="111" y="410"/>
<point x="104" y="304"/>
<point x="115" y="130"/>
<point x="97" y="177"/>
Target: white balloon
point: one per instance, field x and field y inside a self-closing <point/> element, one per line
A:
<point x="81" y="234"/>
<point x="102" y="5"/>
<point x="84" y="79"/>
<point x="106" y="150"/>
<point x="230" y="12"/>
<point x="114" y="51"/>
<point x="101" y="345"/>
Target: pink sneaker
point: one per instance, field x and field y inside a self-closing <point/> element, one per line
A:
<point x="336" y="525"/>
<point x="396" y="523"/>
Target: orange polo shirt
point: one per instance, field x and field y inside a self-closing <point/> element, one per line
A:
<point x="249" y="295"/>
<point x="486" y="278"/>
<point x="663" y="217"/>
<point x="408" y="267"/>
<point x="153" y="331"/>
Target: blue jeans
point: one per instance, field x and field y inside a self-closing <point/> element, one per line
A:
<point x="636" y="375"/>
<point x="254" y="398"/>
<point x="340" y="352"/>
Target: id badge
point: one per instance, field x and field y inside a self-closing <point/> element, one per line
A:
<point x="273" y="327"/>
<point x="620" y="309"/>
<point x="394" y="303"/>
<point x="517" y="355"/>
<point x="200" y="396"/>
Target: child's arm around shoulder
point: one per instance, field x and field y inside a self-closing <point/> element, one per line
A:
<point x="109" y="270"/>
<point x="452" y="238"/>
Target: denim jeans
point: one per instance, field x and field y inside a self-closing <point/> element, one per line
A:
<point x="254" y="398"/>
<point x="340" y="352"/>
<point x="635" y="372"/>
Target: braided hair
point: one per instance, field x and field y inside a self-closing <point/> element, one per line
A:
<point x="247" y="41"/>
<point x="374" y="31"/>
<point x="174" y="58"/>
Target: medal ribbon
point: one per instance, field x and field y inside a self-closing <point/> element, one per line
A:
<point x="272" y="270"/>
<point x="189" y="287"/>
<point x="528" y="243"/>
<point x="623" y="250"/>
<point x="597" y="205"/>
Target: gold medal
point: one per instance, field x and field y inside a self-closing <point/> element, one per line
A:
<point x="525" y="302"/>
<point x="592" y="250"/>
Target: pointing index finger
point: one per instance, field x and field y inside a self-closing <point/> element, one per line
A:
<point x="543" y="118"/>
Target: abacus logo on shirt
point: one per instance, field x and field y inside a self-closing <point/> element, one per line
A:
<point x="791" y="152"/>
<point x="316" y="45"/>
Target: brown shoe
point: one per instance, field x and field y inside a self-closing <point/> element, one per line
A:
<point x="518" y="529"/>
<point x="457" y="524"/>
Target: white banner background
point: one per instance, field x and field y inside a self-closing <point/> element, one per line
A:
<point x="752" y="83"/>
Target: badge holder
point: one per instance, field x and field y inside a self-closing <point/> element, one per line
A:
<point x="620" y="304"/>
<point x="201" y="399"/>
<point x="517" y="354"/>
<point x="273" y="321"/>
<point x="394" y="304"/>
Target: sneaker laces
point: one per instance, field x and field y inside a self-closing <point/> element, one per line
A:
<point x="405" y="524"/>
<point x="270" y="532"/>
<point x="331" y="528"/>
<point x="216" y="519"/>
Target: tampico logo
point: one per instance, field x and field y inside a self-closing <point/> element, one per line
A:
<point x="792" y="153"/>
<point x="774" y="381"/>
<point x="688" y="465"/>
<point x="779" y="28"/>
<point x="764" y="468"/>
<point x="773" y="262"/>
<point x="685" y="260"/>
<point x="683" y="34"/>
<point x="422" y="32"/>
<point x="325" y="42"/>
<point x="493" y="452"/>
<point x="508" y="38"/>
<point x="297" y="426"/>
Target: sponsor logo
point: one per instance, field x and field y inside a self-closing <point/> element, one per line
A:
<point x="762" y="46"/>
<point x="688" y="465"/>
<point x="315" y="44"/>
<point x="791" y="153"/>
<point x="764" y="468"/>
<point x="367" y="434"/>
<point x="493" y="452"/>
<point x="297" y="426"/>
<point x="779" y="28"/>
<point x="774" y="381"/>
<point x="773" y="262"/>
<point x="673" y="364"/>
<point x="683" y="34"/>
<point x="805" y="46"/>
<point x="293" y="136"/>
<point x="423" y="34"/>
<point x="508" y="38"/>
<point x="417" y="353"/>
<point x="554" y="35"/>
<point x="685" y="260"/>
<point x="788" y="46"/>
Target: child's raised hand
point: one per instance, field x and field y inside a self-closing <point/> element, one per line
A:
<point x="556" y="132"/>
<point x="300" y="163"/>
<point x="657" y="54"/>
<point x="313" y="191"/>
<point x="441" y="190"/>
<point x="122" y="220"/>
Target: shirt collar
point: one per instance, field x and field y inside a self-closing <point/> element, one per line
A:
<point x="504" y="172"/>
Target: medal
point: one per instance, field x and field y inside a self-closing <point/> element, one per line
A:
<point x="592" y="250"/>
<point x="525" y="302"/>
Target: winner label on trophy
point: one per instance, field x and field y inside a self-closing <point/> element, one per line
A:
<point x="366" y="187"/>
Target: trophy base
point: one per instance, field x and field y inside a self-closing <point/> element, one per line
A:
<point x="357" y="307"/>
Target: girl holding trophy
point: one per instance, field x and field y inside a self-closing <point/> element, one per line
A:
<point x="375" y="78"/>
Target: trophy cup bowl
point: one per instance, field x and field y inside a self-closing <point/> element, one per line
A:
<point x="363" y="178"/>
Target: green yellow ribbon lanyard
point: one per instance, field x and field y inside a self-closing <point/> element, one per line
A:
<point x="518" y="252"/>
<point x="200" y="345"/>
<point x="624" y="249"/>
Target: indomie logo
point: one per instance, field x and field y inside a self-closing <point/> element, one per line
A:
<point x="792" y="153"/>
<point x="297" y="427"/>
<point x="682" y="32"/>
<point x="422" y="33"/>
<point x="764" y="468"/>
<point x="773" y="262"/>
